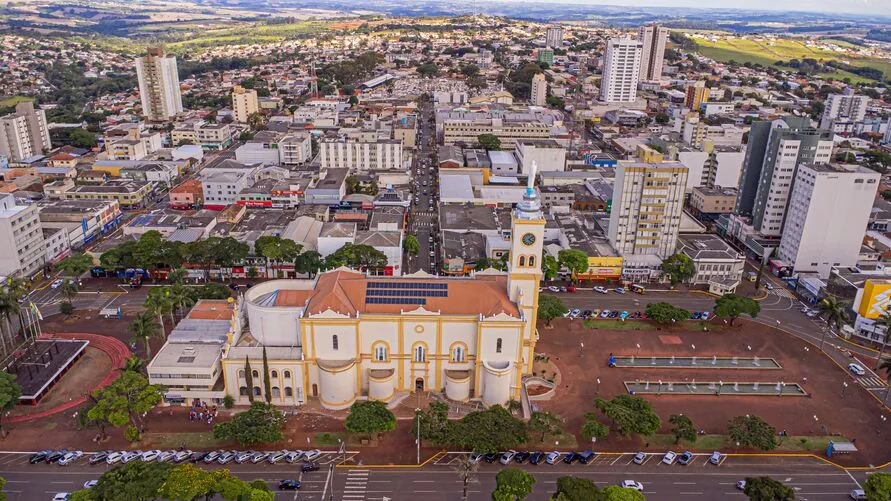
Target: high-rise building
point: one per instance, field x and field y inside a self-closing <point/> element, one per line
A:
<point x="22" y="249"/>
<point x="843" y="107"/>
<point x="244" y="103"/>
<point x="621" y="70"/>
<point x="545" y="56"/>
<point x="24" y="133"/>
<point x="158" y="85"/>
<point x="697" y="93"/>
<point x="539" y="91"/>
<point x="554" y="36"/>
<point x="829" y="209"/>
<point x="648" y="199"/>
<point x="774" y="152"/>
<point x="653" y="38"/>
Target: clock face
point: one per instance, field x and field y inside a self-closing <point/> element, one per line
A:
<point x="528" y="239"/>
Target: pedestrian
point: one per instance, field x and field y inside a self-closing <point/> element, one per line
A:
<point x="647" y="445"/>
<point x="853" y="441"/>
<point x="200" y="416"/>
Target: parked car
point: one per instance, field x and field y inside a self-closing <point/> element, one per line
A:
<point x="226" y="457"/>
<point x="309" y="467"/>
<point x="507" y="457"/>
<point x="521" y="457"/>
<point x="716" y="458"/>
<point x="311" y="455"/>
<point x="604" y="313"/>
<point x="243" y="456"/>
<point x="586" y="456"/>
<point x="669" y="457"/>
<point x="705" y="315"/>
<point x="536" y="458"/>
<point x="70" y="458"/>
<point x="553" y="457"/>
<point x="212" y="456"/>
<point x="623" y="315"/>
<point x="62" y="496"/>
<point x="620" y="290"/>
<point x="639" y="458"/>
<point x="165" y="456"/>
<point x="695" y="315"/>
<point x="275" y="457"/>
<point x="197" y="456"/>
<point x="632" y="484"/>
<point x="475" y="458"/>
<point x="148" y="456"/>
<point x="857" y="369"/>
<point x="258" y="456"/>
<point x="685" y="458"/>
<point x="131" y="456"/>
<point x="490" y="457"/>
<point x="40" y="457"/>
<point x="113" y="457"/>
<point x="571" y="457"/>
<point x="293" y="456"/>
<point x="600" y="289"/>
<point x="570" y="288"/>
<point x="562" y="289"/>
<point x="181" y="456"/>
<point x="858" y="495"/>
<point x="613" y="314"/>
<point x="741" y="485"/>
<point x="575" y="313"/>
<point x="586" y="314"/>
<point x="553" y="289"/>
<point x="56" y="284"/>
<point x="55" y="456"/>
<point x="288" y="485"/>
<point x="90" y="483"/>
<point x="98" y="457"/>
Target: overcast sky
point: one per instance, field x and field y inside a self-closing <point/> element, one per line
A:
<point x="865" y="7"/>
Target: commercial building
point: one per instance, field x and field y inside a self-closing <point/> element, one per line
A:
<point x="845" y="107"/>
<point x="128" y="193"/>
<point x="509" y="131"/>
<point x="829" y="209"/>
<point x="405" y="130"/>
<point x="222" y="188"/>
<point x="381" y="154"/>
<point x="696" y="95"/>
<point x="554" y="36"/>
<point x="244" y="103"/>
<point x="697" y="133"/>
<point x="539" y="91"/>
<point x="717" y="264"/>
<point x="621" y="70"/>
<point x="648" y="200"/>
<point x="545" y="56"/>
<point x="707" y="200"/>
<point x="82" y="220"/>
<point x="774" y="152"/>
<point x="22" y="248"/>
<point x="295" y="148"/>
<point x="188" y="195"/>
<point x="546" y="154"/>
<point x="24" y="133"/>
<point x="159" y="89"/>
<point x="652" y="38"/>
<point x="713" y="166"/>
<point x="210" y="136"/>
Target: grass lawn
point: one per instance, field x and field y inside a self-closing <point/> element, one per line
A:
<point x="613" y="324"/>
<point x="193" y="440"/>
<point x="722" y="443"/>
<point x="9" y="102"/>
<point x="333" y="439"/>
<point x="561" y="442"/>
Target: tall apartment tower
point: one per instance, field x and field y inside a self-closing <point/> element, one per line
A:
<point x="158" y="85"/>
<point x="244" y="103"/>
<point x="829" y="209"/>
<point x="648" y="199"/>
<point x="653" y="38"/>
<point x="539" y="92"/>
<point x="774" y="152"/>
<point x="621" y="70"/>
<point x="24" y="133"/>
<point x="697" y="93"/>
<point x="22" y="248"/>
<point x="843" y="107"/>
<point x="554" y="37"/>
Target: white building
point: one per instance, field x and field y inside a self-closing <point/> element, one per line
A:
<point x="648" y="200"/>
<point x="829" y="209"/>
<point x="653" y="38"/>
<point x="381" y="154"/>
<point x="24" y="134"/>
<point x="621" y="70"/>
<point x="158" y="85"/>
<point x="718" y="166"/>
<point x="554" y="36"/>
<point x="221" y="189"/>
<point x="22" y="248"/>
<point x="546" y="154"/>
<point x="244" y="103"/>
<point x="843" y="108"/>
<point x="539" y="92"/>
<point x="295" y="148"/>
<point x="696" y="133"/>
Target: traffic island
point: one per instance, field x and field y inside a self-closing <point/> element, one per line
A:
<point x="717" y="388"/>
<point x="713" y="362"/>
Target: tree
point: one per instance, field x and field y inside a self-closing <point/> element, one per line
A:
<point x="411" y="245"/>
<point x="682" y="428"/>
<point x="545" y="423"/>
<point x="678" y="268"/>
<point x="75" y="265"/>
<point x="466" y="470"/>
<point x="752" y="431"/>
<point x="491" y="430"/>
<point x="249" y="379"/>
<point x="833" y="311"/>
<point x="255" y="120"/>
<point x="878" y="486"/>
<point x="267" y="383"/>
<point x="68" y="289"/>
<point x="358" y="257"/>
<point x="309" y="263"/>
<point x="666" y="313"/>
<point x="144" y="327"/>
<point x="732" y="306"/>
<point x="82" y="138"/>
<point x="513" y="484"/>
<point x="126" y="400"/>
<point x="489" y="142"/>
<point x="434" y="423"/>
<point x="134" y="364"/>
<point x="767" y="489"/>
<point x="262" y="422"/>
<point x="550" y="307"/>
<point x="576" y="489"/>
<point x="66" y="308"/>
<point x="276" y="248"/>
<point x="619" y="493"/>
<point x="574" y="260"/>
<point x="550" y="267"/>
<point x="556" y="102"/>
<point x="353" y="100"/>
<point x="159" y="304"/>
<point x="10" y="392"/>
<point x="369" y="416"/>
<point x="136" y="481"/>
<point x="593" y="428"/>
<point x="428" y="69"/>
<point x="630" y="414"/>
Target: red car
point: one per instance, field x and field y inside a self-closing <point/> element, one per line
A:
<point x="571" y="288"/>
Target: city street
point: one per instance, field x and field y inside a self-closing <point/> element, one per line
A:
<point x="423" y="216"/>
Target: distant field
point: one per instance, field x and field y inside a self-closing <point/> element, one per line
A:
<point x="264" y="33"/>
<point x="9" y="102"/>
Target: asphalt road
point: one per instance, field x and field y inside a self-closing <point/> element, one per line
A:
<point x="812" y="479"/>
<point x="423" y="216"/>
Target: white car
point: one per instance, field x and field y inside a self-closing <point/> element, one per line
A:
<point x="130" y="456"/>
<point x="275" y="457"/>
<point x="55" y="285"/>
<point x="114" y="457"/>
<point x="601" y="290"/>
<point x="553" y="457"/>
<point x="632" y="484"/>
<point x="575" y="313"/>
<point x="90" y="483"/>
<point x="553" y="289"/>
<point x="311" y="455"/>
<point x="166" y="456"/>
<point x="181" y="456"/>
<point x="62" y="496"/>
<point x="293" y="456"/>
<point x="508" y="456"/>
<point x="669" y="457"/>
<point x="640" y="458"/>
<point x="741" y="485"/>
<point x="857" y="369"/>
<point x="149" y="456"/>
<point x="70" y="458"/>
<point x="475" y="458"/>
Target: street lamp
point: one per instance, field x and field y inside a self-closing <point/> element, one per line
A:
<point x="418" y="438"/>
<point x="638" y="350"/>
<point x="581" y="349"/>
<point x="823" y="337"/>
<point x="884" y="420"/>
<point x="844" y="388"/>
<point x="598" y="386"/>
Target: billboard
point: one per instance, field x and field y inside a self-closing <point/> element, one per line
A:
<point x="876" y="298"/>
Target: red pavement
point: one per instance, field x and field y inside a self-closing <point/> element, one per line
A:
<point x="115" y="349"/>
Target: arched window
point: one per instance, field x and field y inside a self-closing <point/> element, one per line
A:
<point x="276" y="393"/>
<point x="531" y="261"/>
<point x="380" y="353"/>
<point x="522" y="260"/>
<point x="287" y="374"/>
<point x="288" y="391"/>
<point x="241" y="373"/>
<point x="274" y="374"/>
<point x="458" y="354"/>
<point x="498" y="345"/>
<point x="255" y="373"/>
<point x="334" y="341"/>
<point x="256" y="391"/>
<point x="243" y="391"/>
<point x="420" y="354"/>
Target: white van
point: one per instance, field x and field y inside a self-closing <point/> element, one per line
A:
<point x="858" y="495"/>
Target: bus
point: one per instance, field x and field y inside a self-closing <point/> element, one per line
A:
<point x="639" y="289"/>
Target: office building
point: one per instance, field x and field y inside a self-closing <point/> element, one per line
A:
<point x="697" y="94"/>
<point x="621" y="70"/>
<point x="545" y="56"/>
<point x="22" y="248"/>
<point x="539" y="91"/>
<point x="546" y="154"/>
<point x="653" y="38"/>
<point x="774" y="152"/>
<point x="24" y="133"/>
<point x="829" y="209"/>
<point x="381" y="154"/>
<point x="697" y="133"/>
<point x="244" y="103"/>
<point x="554" y="36"/>
<point x="845" y="107"/>
<point x="648" y="200"/>
<point x="158" y="85"/>
<point x="508" y="130"/>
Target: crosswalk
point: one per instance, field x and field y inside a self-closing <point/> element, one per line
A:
<point x="871" y="382"/>
<point x="356" y="484"/>
<point x="783" y="292"/>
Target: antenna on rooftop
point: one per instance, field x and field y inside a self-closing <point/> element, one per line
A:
<point x="313" y="81"/>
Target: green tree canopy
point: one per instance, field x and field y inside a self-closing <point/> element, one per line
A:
<point x="136" y="481"/>
<point x="666" y="313"/>
<point x="619" y="493"/>
<point x="411" y="245"/>
<point x="489" y="142"/>
<point x="630" y="414"/>
<point x="10" y="392"/>
<point x="276" y="248"/>
<point x="576" y="489"/>
<point x="546" y="423"/>
<point x="82" y="138"/>
<point x="574" y="260"/>
<point x="357" y="257"/>
<point x="767" y="489"/>
<point x="593" y="428"/>
<point x="678" y="268"/>
<point x="309" y="263"/>
<point x="369" y="416"/>
<point x="752" y="431"/>
<point x="513" y="484"/>
<point x="550" y="307"/>
<point x="143" y="328"/>
<point x="878" y="486"/>
<point x="428" y="69"/>
<point x="550" y="266"/>
<point x="262" y="422"/>
<point x="491" y="430"/>
<point x="682" y="428"/>
<point x="126" y="400"/>
<point x="434" y="423"/>
<point x="732" y="306"/>
<point x="75" y="265"/>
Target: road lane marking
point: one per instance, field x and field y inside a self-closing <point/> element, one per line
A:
<point x="854" y="479"/>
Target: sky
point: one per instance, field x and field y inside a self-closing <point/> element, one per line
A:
<point x="863" y="7"/>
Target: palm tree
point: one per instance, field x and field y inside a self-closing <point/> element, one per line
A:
<point x="466" y="470"/>
<point x="885" y="365"/>
<point x="833" y="311"/>
<point x="885" y="321"/>
<point x="143" y="328"/>
<point x="68" y="289"/>
<point x="133" y="364"/>
<point x="159" y="305"/>
<point x="7" y="303"/>
<point x="177" y="276"/>
<point x="181" y="298"/>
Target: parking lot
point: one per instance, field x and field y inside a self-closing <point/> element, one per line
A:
<point x="13" y="459"/>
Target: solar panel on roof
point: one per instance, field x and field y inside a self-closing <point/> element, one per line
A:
<point x="406" y="293"/>
<point x="395" y="300"/>
<point x="407" y="285"/>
